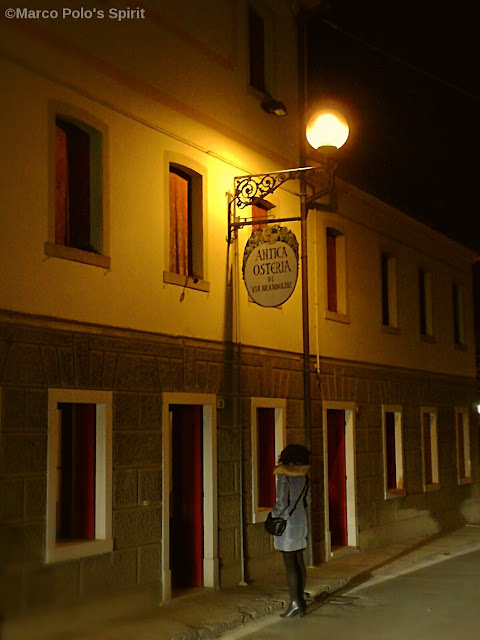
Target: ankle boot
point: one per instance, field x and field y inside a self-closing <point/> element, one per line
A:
<point x="302" y="608"/>
<point x="292" y="610"/>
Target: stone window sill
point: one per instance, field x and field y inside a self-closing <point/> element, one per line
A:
<point x="188" y="282"/>
<point x="394" y="331"/>
<point x="74" y="550"/>
<point x="337" y="317"/>
<point x="76" y="255"/>
<point x="390" y="494"/>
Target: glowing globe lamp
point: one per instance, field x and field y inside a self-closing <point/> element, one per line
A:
<point x="327" y="129"/>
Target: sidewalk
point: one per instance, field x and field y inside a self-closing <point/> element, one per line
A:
<point x="207" y="614"/>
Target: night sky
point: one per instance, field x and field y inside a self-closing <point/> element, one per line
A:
<point x="406" y="75"/>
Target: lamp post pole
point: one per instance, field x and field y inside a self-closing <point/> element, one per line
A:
<point x="304" y="206"/>
<point x="307" y="404"/>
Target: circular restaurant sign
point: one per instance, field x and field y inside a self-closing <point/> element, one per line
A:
<point x="270" y="265"/>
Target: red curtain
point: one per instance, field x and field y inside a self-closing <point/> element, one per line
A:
<point x="77" y="472"/>
<point x="331" y="271"/>
<point x="427" y="448"/>
<point x="179" y="221"/>
<point x="186" y="525"/>
<point x="266" y="456"/>
<point x="337" y="488"/>
<point x="390" y="450"/>
<point x="461" y="446"/>
<point x="72" y="186"/>
<point x="61" y="187"/>
<point x="84" y="478"/>
<point x="259" y="213"/>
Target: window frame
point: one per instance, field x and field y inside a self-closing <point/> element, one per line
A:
<point x="103" y="542"/>
<point x="389" y="291"/>
<point x="466" y="478"/>
<point x="99" y="176"/>
<point x="435" y="485"/>
<point x="458" y="311"/>
<point x="400" y="489"/>
<point x="340" y="242"/>
<point x="259" y="514"/>
<point x="268" y="60"/>
<point x="425" y="304"/>
<point x="197" y="173"/>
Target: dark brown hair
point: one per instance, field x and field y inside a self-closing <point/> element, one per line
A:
<point x="294" y="454"/>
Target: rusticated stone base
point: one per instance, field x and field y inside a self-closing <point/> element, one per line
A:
<point x="38" y="354"/>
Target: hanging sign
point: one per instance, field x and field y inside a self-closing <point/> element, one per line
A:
<point x="270" y="265"/>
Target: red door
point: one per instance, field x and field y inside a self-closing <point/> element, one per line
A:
<point x="337" y="486"/>
<point x="186" y="504"/>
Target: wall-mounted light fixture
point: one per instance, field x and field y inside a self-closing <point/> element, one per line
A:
<point x="272" y="106"/>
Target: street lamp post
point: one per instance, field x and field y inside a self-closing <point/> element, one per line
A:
<point x="326" y="131"/>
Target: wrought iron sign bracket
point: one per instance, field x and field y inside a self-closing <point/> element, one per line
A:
<point x="254" y="188"/>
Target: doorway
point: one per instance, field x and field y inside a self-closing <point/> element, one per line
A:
<point x="186" y="496"/>
<point x="341" y="529"/>
<point x="189" y="490"/>
<point x="337" y="479"/>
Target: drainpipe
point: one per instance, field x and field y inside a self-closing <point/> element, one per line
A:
<point x="316" y="303"/>
<point x="238" y="403"/>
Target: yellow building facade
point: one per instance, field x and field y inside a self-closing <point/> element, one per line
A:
<point x="144" y="395"/>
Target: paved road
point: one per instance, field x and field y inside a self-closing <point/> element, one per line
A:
<point x="439" y="602"/>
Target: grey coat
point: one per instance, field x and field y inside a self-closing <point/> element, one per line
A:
<point x="289" y="485"/>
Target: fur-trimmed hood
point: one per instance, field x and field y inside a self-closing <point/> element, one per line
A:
<point x="292" y="469"/>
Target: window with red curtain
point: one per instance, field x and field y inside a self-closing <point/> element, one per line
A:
<point x="76" y="472"/>
<point x="422" y="302"/>
<point x="332" y="270"/>
<point x="259" y="213"/>
<point x="256" y="30"/>
<point x="461" y="446"/>
<point x="390" y="444"/>
<point x="72" y="186"/>
<point x="180" y="222"/>
<point x="427" y="447"/>
<point x="385" y="291"/>
<point x="266" y="456"/>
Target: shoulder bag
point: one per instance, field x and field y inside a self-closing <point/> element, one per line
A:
<point x="275" y="526"/>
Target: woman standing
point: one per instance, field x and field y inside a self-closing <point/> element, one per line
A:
<point x="293" y="482"/>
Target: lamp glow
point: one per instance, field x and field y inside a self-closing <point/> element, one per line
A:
<point x="328" y="128"/>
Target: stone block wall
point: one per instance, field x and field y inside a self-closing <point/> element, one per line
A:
<point x="418" y="513"/>
<point x="36" y="355"/>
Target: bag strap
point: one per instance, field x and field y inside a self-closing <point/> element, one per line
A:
<point x="301" y="494"/>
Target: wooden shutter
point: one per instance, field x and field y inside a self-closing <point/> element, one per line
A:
<point x="179" y="222"/>
<point x="61" y="187"/>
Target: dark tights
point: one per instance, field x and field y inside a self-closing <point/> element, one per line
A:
<point x="296" y="574"/>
